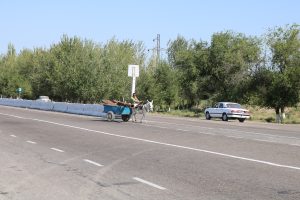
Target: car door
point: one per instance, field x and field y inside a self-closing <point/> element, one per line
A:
<point x="219" y="110"/>
<point x="214" y="110"/>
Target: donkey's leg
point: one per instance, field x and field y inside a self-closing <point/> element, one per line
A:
<point x="133" y="115"/>
<point x="143" y="116"/>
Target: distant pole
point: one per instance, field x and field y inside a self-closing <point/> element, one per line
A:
<point x="133" y="71"/>
<point x="133" y="81"/>
<point x="156" y="51"/>
<point x="158" y="48"/>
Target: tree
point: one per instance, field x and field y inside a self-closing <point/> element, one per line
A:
<point x="84" y="71"/>
<point x="165" y="85"/>
<point x="10" y="76"/>
<point x="231" y="58"/>
<point x="146" y="85"/>
<point x="181" y="57"/>
<point x="283" y="89"/>
<point x="114" y="62"/>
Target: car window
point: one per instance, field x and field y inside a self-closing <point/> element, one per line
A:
<point x="234" y="105"/>
<point x="221" y="105"/>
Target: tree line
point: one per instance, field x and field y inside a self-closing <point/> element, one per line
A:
<point x="262" y="71"/>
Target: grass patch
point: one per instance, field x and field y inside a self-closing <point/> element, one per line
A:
<point x="268" y="115"/>
<point x="183" y="113"/>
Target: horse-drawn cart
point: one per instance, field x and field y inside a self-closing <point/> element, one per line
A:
<point x="117" y="111"/>
<point x="122" y="110"/>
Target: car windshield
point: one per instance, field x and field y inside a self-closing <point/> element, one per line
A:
<point x="233" y="105"/>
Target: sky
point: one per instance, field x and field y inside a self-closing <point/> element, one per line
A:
<point x="40" y="23"/>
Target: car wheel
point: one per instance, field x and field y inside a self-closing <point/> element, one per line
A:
<point x="224" y="117"/>
<point x="125" y="118"/>
<point x="241" y="120"/>
<point x="110" y="116"/>
<point x="207" y="116"/>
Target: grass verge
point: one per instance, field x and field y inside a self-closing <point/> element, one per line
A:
<point x="257" y="114"/>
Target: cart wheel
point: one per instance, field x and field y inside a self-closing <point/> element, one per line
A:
<point x="110" y="116"/>
<point x="125" y="118"/>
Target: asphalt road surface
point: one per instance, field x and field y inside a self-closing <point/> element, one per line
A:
<point x="48" y="155"/>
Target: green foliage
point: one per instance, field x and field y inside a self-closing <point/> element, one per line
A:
<point x="182" y="55"/>
<point x="146" y="85"/>
<point x="11" y="77"/>
<point x="219" y="71"/>
<point x="231" y="67"/>
<point x="231" y="58"/>
<point x="278" y="85"/>
<point x="73" y="70"/>
<point x="165" y="85"/>
<point x="275" y="89"/>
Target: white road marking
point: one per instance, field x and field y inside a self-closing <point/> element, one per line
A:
<point x="270" y="136"/>
<point x="183" y="130"/>
<point x="230" y="136"/>
<point x="55" y="149"/>
<point x="224" y="129"/>
<point x="267" y="125"/>
<point x="92" y="162"/>
<point x="13" y="136"/>
<point x="295" y="145"/>
<point x="165" y="144"/>
<point x="31" y="142"/>
<point x="149" y="183"/>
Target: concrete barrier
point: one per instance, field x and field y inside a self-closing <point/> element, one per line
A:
<point x="74" y="108"/>
<point x="35" y="105"/>
<point x="16" y="102"/>
<point x="93" y="109"/>
<point x="41" y="105"/>
<point x="25" y="103"/>
<point x="9" y="102"/>
<point x="47" y="106"/>
<point x="60" y="107"/>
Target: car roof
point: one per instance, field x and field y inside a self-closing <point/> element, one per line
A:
<point x="225" y="102"/>
<point x="43" y="97"/>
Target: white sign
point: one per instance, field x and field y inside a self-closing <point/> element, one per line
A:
<point x="133" y="71"/>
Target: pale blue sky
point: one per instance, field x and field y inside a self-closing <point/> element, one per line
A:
<point x="40" y="23"/>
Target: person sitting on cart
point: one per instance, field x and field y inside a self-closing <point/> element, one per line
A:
<point x="135" y="101"/>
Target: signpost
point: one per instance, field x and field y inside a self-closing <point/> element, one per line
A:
<point x="133" y="71"/>
<point x="19" y="91"/>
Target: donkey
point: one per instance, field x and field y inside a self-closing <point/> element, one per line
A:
<point x="142" y="109"/>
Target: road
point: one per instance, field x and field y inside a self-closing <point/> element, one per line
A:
<point x="48" y="155"/>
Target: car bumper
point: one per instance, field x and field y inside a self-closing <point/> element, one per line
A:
<point x="238" y="116"/>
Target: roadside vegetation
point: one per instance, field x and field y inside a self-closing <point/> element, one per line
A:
<point x="258" y="114"/>
<point x="267" y="115"/>
<point x="263" y="72"/>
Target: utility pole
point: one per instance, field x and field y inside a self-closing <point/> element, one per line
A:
<point x="156" y="50"/>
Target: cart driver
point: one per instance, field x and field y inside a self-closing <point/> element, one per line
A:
<point x="135" y="101"/>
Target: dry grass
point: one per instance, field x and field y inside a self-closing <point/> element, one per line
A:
<point x="182" y="113"/>
<point x="257" y="114"/>
<point x="268" y="115"/>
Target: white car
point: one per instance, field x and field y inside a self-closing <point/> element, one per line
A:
<point x="44" y="99"/>
<point x="227" y="110"/>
